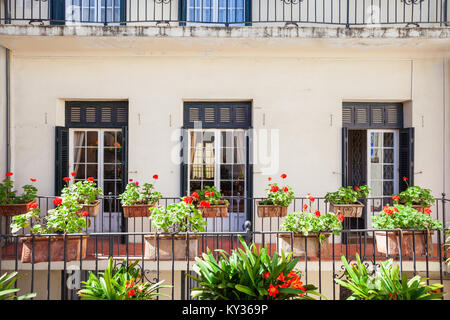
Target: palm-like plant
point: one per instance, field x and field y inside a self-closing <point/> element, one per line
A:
<point x="385" y="285"/>
<point x="7" y="292"/>
<point x="120" y="282"/>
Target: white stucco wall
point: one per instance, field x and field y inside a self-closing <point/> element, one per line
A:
<point x="2" y="111"/>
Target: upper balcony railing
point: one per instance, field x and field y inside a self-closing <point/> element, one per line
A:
<point x="347" y="13"/>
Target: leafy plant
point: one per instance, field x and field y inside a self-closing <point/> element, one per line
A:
<point x="404" y="217"/>
<point x="8" y="195"/>
<point x="135" y="194"/>
<point x="348" y="195"/>
<point x="85" y="192"/>
<point x="249" y="273"/>
<point x="415" y="195"/>
<point x="279" y="196"/>
<point x="386" y="284"/>
<point x="307" y="221"/>
<point x="211" y="195"/>
<point x="7" y="292"/>
<point x="120" y="282"/>
<point x="178" y="217"/>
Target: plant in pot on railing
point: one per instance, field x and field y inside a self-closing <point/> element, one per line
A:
<point x="137" y="200"/>
<point x="218" y="206"/>
<point x="310" y="230"/>
<point x="411" y="230"/>
<point x="62" y="221"/>
<point x="345" y="200"/>
<point x="86" y="194"/>
<point x="12" y="204"/>
<point x="417" y="197"/>
<point x="250" y="273"/>
<point x="180" y="217"/>
<point x="386" y="284"/>
<point x="277" y="201"/>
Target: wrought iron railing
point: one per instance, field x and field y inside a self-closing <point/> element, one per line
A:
<point x="227" y="12"/>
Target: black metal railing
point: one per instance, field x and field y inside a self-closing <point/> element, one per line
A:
<point x="227" y="12"/>
<point x="60" y="276"/>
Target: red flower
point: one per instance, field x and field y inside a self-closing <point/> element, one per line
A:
<point x="281" y="277"/>
<point x="9" y="174"/>
<point x="405" y="179"/>
<point x="396" y="210"/>
<point x="207" y="193"/>
<point x="84" y="213"/>
<point x="155" y="176"/>
<point x="311" y="199"/>
<point x="356" y="188"/>
<point x="317" y="213"/>
<point x="32" y="206"/>
<point x="269" y="178"/>
<point x="205" y="204"/>
<point x="73" y="174"/>
<point x="211" y="194"/>
<point x="33" y="180"/>
<point x="273" y="290"/>
<point x="194" y="195"/>
<point x="396" y="197"/>
<point x="130" y="293"/>
<point x="340" y="217"/>
<point x="427" y="210"/>
<point x="90" y="179"/>
<point x="57" y="201"/>
<point x="285" y="189"/>
<point x="66" y="179"/>
<point x="266" y="275"/>
<point x="283" y="176"/>
<point x="129" y="284"/>
<point x="274" y="189"/>
<point x="188" y="200"/>
<point x="131" y="180"/>
<point x="136" y="183"/>
<point x="305" y="206"/>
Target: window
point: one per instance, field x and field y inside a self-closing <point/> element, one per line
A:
<point x="87" y="11"/>
<point x="209" y="12"/>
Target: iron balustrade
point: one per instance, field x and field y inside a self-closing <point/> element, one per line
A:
<point x="346" y="13"/>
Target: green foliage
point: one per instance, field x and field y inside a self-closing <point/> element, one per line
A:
<point x="404" y="217"/>
<point x="120" y="282"/>
<point x="8" y="195"/>
<point x="348" y="195"/>
<point x="135" y="194"/>
<point x="448" y="247"/>
<point x="386" y="284"/>
<point x="178" y="217"/>
<point x="279" y="196"/>
<point x="85" y="192"/>
<point x="249" y="273"/>
<point x="212" y="195"/>
<point x="416" y="195"/>
<point x="7" y="292"/>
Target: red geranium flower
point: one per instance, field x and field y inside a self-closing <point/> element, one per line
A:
<point x="405" y="179"/>
<point x="130" y="293"/>
<point x="207" y="193"/>
<point x="155" y="177"/>
<point x="33" y="180"/>
<point x="274" y="189"/>
<point x="396" y="197"/>
<point x="427" y="210"/>
<point x="90" y="179"/>
<point x="187" y="200"/>
<point x="129" y="284"/>
<point x="57" y="201"/>
<point x="285" y="189"/>
<point x="66" y="179"/>
<point x="211" y="194"/>
<point x="281" y="277"/>
<point x="305" y="206"/>
<point x="356" y="188"/>
<point x="283" y="176"/>
<point x="205" y="203"/>
<point x="131" y="180"/>
<point x="340" y="217"/>
<point x="194" y="195"/>
<point x="269" y="178"/>
<point x="9" y="174"/>
<point x="317" y="213"/>
<point x="84" y="213"/>
<point x="73" y="174"/>
<point x="32" y="206"/>
<point x="311" y="199"/>
<point x="266" y="275"/>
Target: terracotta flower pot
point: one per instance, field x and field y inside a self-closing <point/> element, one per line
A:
<point x="270" y="210"/>
<point x="297" y="244"/>
<point x="137" y="210"/>
<point x="218" y="210"/>
<point x="166" y="248"/>
<point x="75" y="247"/>
<point x="10" y="210"/>
<point x="353" y="210"/>
<point x="390" y="242"/>
<point x="92" y="209"/>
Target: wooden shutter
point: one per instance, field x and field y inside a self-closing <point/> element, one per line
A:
<point x="57" y="12"/>
<point x="406" y="157"/>
<point x="96" y="114"/>
<point x="184" y="153"/>
<point x="217" y="115"/>
<point x="344" y="157"/>
<point x="372" y="115"/>
<point x="61" y="157"/>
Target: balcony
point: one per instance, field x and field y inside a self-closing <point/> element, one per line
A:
<point x="125" y="239"/>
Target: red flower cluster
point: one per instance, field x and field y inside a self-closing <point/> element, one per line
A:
<point x="286" y="189"/>
<point x="90" y="179"/>
<point x="305" y="207"/>
<point x="84" y="214"/>
<point x="340" y="217"/>
<point x="204" y="203"/>
<point x="405" y="179"/>
<point x="396" y="198"/>
<point x="155" y="177"/>
<point x="187" y="200"/>
<point x="356" y="188"/>
<point x="73" y="174"/>
<point x="32" y="206"/>
<point x="128" y="285"/>
<point x="317" y="213"/>
<point x="274" y="188"/>
<point x="194" y="195"/>
<point x="292" y="280"/>
<point x="388" y="211"/>
<point x="32" y="179"/>
<point x="9" y="174"/>
<point x="311" y="198"/>
<point x="66" y="179"/>
<point x="209" y="194"/>
<point x="393" y="295"/>
<point x="57" y="201"/>
<point x="427" y="211"/>
<point x="283" y="176"/>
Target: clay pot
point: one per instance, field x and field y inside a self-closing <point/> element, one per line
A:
<point x="92" y="209"/>
<point x="353" y="210"/>
<point x="10" y="210"/>
<point x="75" y="246"/>
<point x="168" y="247"/>
<point x="297" y="243"/>
<point x="218" y="210"/>
<point x="270" y="210"/>
<point x="137" y="210"/>
<point x="409" y="243"/>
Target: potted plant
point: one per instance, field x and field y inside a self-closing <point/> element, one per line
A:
<point x="137" y="200"/>
<point x="249" y="273"/>
<point x="64" y="220"/>
<point x="309" y="230"/>
<point x="86" y="194"/>
<point x="411" y="230"/>
<point x="176" y="218"/>
<point x="122" y="281"/>
<point x="277" y="201"/>
<point x="218" y="207"/>
<point x="415" y="196"/>
<point x="345" y="200"/>
<point x="12" y="204"/>
<point x="387" y="284"/>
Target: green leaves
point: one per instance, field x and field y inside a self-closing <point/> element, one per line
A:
<point x="308" y="222"/>
<point x="416" y="195"/>
<point x="348" y="195"/>
<point x="7" y="292"/>
<point x="85" y="192"/>
<point x="8" y="195"/>
<point x="136" y="194"/>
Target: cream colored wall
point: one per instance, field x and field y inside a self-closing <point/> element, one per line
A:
<point x="2" y="111"/>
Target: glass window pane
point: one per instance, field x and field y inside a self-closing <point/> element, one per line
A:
<point x="388" y="139"/>
<point x="375" y="155"/>
<point x="79" y="155"/>
<point x="225" y="172"/>
<point x="109" y="139"/>
<point x="92" y="171"/>
<point x="109" y="171"/>
<point x="195" y="186"/>
<point x="92" y="155"/>
<point x="388" y="188"/>
<point x="388" y="172"/>
<point x="239" y="172"/>
<point x="109" y="155"/>
<point x="79" y="138"/>
<point x="80" y="171"/>
<point x="388" y="155"/>
<point x="92" y="138"/>
<point x="375" y="139"/>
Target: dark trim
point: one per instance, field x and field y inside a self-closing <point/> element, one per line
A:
<point x="8" y="108"/>
<point x="182" y="12"/>
<point x="406" y="157"/>
<point x="83" y="105"/>
<point x="368" y="107"/>
<point x="344" y="157"/>
<point x="61" y="157"/>
<point x="57" y="12"/>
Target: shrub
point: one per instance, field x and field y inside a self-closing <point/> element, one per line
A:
<point x="135" y="194"/>
<point x="279" y="196"/>
<point x="8" y="195"/>
<point x="415" y="195"/>
<point x="348" y="195"/>
<point x="7" y="292"/>
<point x="84" y="192"/>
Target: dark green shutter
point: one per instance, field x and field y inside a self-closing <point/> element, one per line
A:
<point x="124" y="221"/>
<point x="406" y="157"/>
<point x="184" y="153"/>
<point x="57" y="12"/>
<point x="61" y="157"/>
<point x="248" y="12"/>
<point x="344" y="157"/>
<point x="249" y="161"/>
<point x="182" y="13"/>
